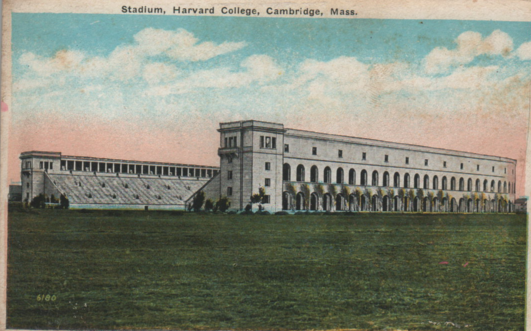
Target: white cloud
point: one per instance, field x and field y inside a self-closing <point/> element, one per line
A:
<point x="127" y="62"/>
<point x="524" y="51"/>
<point x="259" y="69"/>
<point x="155" y="73"/>
<point x="469" y="45"/>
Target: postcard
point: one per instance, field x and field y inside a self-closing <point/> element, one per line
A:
<point x="224" y="165"/>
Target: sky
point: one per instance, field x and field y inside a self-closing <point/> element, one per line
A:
<point x="155" y="88"/>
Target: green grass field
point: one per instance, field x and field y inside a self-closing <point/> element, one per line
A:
<point x="109" y="270"/>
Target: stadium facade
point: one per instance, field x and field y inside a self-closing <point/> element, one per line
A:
<point x="294" y="169"/>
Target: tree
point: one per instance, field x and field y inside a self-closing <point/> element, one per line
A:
<point x="65" y="204"/>
<point x="38" y="201"/>
<point x="402" y="196"/>
<point x="431" y="196"/>
<point x="345" y="190"/>
<point x="358" y="194"/>
<point x="369" y="194"/>
<point x="198" y="201"/>
<point x="440" y="197"/>
<point x="305" y="189"/>
<point x="223" y="204"/>
<point x="209" y="204"/>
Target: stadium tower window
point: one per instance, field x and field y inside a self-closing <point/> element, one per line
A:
<point x="478" y="167"/>
<point x="274" y="143"/>
<point x="226" y="142"/>
<point x="340" y="153"/>
<point x="286" y="148"/>
<point x="364" y="156"/>
<point x="461" y="166"/>
<point x="492" y="169"/>
<point x="203" y="173"/>
<point x="314" y="150"/>
<point x="229" y="174"/>
<point x="444" y="164"/>
<point x="51" y="165"/>
<point x="235" y="142"/>
<point x="63" y="165"/>
<point x="268" y="166"/>
<point x="268" y="143"/>
<point x="41" y="165"/>
<point x="268" y="182"/>
<point x="426" y="162"/>
<point x="266" y="199"/>
<point x="386" y="158"/>
<point x="262" y="141"/>
<point x="185" y="172"/>
<point x="229" y="191"/>
<point x="407" y="160"/>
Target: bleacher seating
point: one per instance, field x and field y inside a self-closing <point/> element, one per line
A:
<point x="92" y="189"/>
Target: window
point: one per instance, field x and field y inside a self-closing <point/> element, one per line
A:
<point x="268" y="142"/>
<point x="461" y="166"/>
<point x="268" y="166"/>
<point x="386" y="159"/>
<point x="492" y="169"/>
<point x="364" y="156"/>
<point x="226" y="142"/>
<point x="444" y="164"/>
<point x="426" y="162"/>
<point x="229" y="174"/>
<point x="229" y="191"/>
<point x="314" y="150"/>
<point x="340" y="153"/>
<point x="41" y="165"/>
<point x="51" y="165"/>
<point x="268" y="182"/>
<point x="266" y="199"/>
<point x="505" y="170"/>
<point x="286" y="148"/>
<point x="407" y="159"/>
<point x="478" y="167"/>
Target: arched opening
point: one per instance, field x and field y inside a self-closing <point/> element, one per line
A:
<point x="492" y="186"/>
<point x="352" y="177"/>
<point x="314" y="201"/>
<point x="469" y="185"/>
<point x="300" y="201"/>
<point x="396" y="203"/>
<point x="493" y="206"/>
<point x="416" y="204"/>
<point x="416" y="181"/>
<point x="504" y="187"/>
<point x="396" y="180"/>
<point x="509" y="187"/>
<point x="477" y="207"/>
<point x="375" y="178"/>
<point x="435" y="205"/>
<point x="327" y="175"/>
<point x="453" y="205"/>
<point x="340" y="202"/>
<point x="470" y="206"/>
<point x="435" y="182"/>
<point x="461" y="184"/>
<point x="425" y="204"/>
<point x="364" y="177"/>
<point x="444" y="183"/>
<point x="286" y="201"/>
<point x="363" y="203"/>
<point x="462" y="205"/>
<point x="300" y="173"/>
<point x="406" y="180"/>
<point x="478" y="185"/>
<point x="444" y="205"/>
<point x="374" y="203"/>
<point x="386" y="179"/>
<point x="286" y="172"/>
<point x="314" y="174"/>
<point x="499" y="186"/>
<point x="452" y="184"/>
<point x="327" y="202"/>
<point x="426" y="182"/>
<point x="385" y="203"/>
<point x="485" y="185"/>
<point x="340" y="176"/>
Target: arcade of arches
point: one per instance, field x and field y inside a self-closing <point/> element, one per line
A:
<point x="391" y="192"/>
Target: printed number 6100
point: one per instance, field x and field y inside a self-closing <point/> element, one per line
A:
<point x="47" y="297"/>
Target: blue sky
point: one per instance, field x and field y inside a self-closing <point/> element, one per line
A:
<point x="460" y="83"/>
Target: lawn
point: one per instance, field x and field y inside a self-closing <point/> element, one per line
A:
<point x="134" y="269"/>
